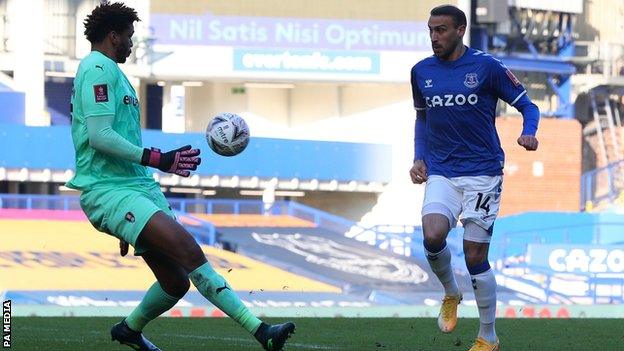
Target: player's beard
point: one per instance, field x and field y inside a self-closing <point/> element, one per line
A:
<point x="445" y="54"/>
<point x="122" y="52"/>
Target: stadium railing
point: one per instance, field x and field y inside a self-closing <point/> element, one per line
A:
<point x="47" y="202"/>
<point x="395" y="238"/>
<point x="202" y="230"/>
<point x="602" y="185"/>
<point x="547" y="286"/>
<point x="515" y="243"/>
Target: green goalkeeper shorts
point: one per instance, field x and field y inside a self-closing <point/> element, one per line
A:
<point x="122" y="211"/>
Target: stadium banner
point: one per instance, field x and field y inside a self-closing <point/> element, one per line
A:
<point x="305" y="61"/>
<point x="400" y="311"/>
<point x="276" y="32"/>
<point x="593" y="259"/>
<point x="287" y="48"/>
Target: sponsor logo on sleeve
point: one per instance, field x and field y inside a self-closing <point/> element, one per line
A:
<point x="513" y="78"/>
<point x="101" y="92"/>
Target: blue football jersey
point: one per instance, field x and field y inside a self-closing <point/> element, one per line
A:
<point x="460" y="98"/>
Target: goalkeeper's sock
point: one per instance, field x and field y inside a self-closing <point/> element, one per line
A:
<point x="440" y="263"/>
<point x="216" y="290"/>
<point x="155" y="302"/>
<point x="484" y="285"/>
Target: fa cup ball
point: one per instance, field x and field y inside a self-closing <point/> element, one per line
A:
<point x="227" y="134"/>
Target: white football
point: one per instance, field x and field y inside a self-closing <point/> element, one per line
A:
<point x="227" y="134"/>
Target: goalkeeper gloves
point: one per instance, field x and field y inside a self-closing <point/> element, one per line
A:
<point x="179" y="161"/>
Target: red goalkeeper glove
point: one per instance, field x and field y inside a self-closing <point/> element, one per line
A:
<point x="179" y="161"/>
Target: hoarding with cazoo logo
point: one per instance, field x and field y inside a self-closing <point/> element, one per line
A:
<point x="596" y="259"/>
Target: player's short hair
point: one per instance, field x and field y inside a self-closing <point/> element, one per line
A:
<point x="108" y="17"/>
<point x="459" y="17"/>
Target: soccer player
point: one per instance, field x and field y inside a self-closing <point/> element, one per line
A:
<point x="459" y="156"/>
<point x="120" y="197"/>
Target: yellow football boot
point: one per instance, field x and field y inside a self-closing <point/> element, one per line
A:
<point x="447" y="319"/>
<point x="482" y="345"/>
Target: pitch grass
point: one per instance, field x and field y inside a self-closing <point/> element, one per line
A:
<point x="380" y="334"/>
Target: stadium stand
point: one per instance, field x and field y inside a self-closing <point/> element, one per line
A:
<point x="310" y="261"/>
<point x="58" y="258"/>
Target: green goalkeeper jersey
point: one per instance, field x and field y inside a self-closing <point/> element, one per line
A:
<point x="102" y="89"/>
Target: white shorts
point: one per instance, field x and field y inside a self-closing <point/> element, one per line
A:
<point x="476" y="199"/>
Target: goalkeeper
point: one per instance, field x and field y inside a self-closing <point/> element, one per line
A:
<point x="120" y="197"/>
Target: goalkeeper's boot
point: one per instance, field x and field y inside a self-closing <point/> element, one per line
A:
<point x="482" y="345"/>
<point x="273" y="337"/>
<point x="447" y="319"/>
<point x="126" y="336"/>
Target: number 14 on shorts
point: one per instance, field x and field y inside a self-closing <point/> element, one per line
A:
<point x="482" y="203"/>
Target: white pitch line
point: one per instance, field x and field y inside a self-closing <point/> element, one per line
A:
<point x="249" y="341"/>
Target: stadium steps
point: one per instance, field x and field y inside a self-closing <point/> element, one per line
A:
<point x="603" y="188"/>
<point x="605" y="135"/>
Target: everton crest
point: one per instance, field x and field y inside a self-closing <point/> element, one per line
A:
<point x="471" y="80"/>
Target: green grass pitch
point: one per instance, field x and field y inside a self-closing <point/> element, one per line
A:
<point x="382" y="334"/>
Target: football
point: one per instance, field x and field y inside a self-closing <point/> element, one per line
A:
<point x="227" y="134"/>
